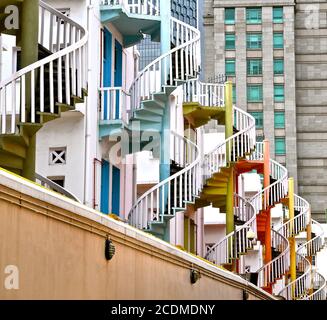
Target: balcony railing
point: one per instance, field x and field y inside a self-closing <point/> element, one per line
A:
<point x="144" y="7"/>
<point x="114" y="102"/>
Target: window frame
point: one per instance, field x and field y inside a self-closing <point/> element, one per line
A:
<point x="278" y="46"/>
<point x="259" y="121"/>
<point x="278" y="19"/>
<point x="277" y="86"/>
<point x="229" y="22"/>
<point x="248" y="41"/>
<point x="278" y="152"/>
<point x="226" y="63"/>
<point x="281" y="124"/>
<point x="258" y="20"/>
<point x="249" y="86"/>
<point x="229" y="35"/>
<point x="248" y="66"/>
<point x="279" y="60"/>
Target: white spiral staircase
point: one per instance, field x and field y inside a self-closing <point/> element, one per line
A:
<point x="43" y="90"/>
<point x="237" y="243"/>
<point x="149" y="92"/>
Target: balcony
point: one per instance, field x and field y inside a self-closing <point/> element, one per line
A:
<point x="114" y="111"/>
<point x="132" y="18"/>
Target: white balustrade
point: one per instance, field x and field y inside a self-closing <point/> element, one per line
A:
<point x="65" y="69"/>
<point x="114" y="104"/>
<point x="178" y="65"/>
<point x="206" y="94"/>
<point x="143" y="7"/>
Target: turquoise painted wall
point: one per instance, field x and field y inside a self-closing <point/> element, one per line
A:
<point x="115" y="190"/>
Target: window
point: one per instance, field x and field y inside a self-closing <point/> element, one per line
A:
<point x="258" y="116"/>
<point x="230" y="41"/>
<point x="254" y="67"/>
<point x="58" y="180"/>
<point x="278" y="66"/>
<point x="254" y="41"/>
<point x="230" y="67"/>
<point x="278" y="14"/>
<point x="279" y="93"/>
<point x="254" y="93"/>
<point x="230" y="16"/>
<point x="278" y="40"/>
<point x="279" y="120"/>
<point x="234" y="93"/>
<point x="280" y="148"/>
<point x="253" y="15"/>
<point x="57" y="156"/>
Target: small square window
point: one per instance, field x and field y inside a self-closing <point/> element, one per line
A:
<point x="230" y="16"/>
<point x="253" y="15"/>
<point x="279" y="120"/>
<point x="254" y="93"/>
<point x="278" y="66"/>
<point x="58" y="180"/>
<point x="57" y="156"/>
<point x="280" y="147"/>
<point x="230" y="67"/>
<point x="278" y="40"/>
<point x="254" y="41"/>
<point x="279" y="93"/>
<point x="254" y="67"/>
<point x="278" y="14"/>
<point x="230" y="41"/>
<point x="258" y="116"/>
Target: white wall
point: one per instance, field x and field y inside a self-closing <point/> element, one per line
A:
<point x="71" y="128"/>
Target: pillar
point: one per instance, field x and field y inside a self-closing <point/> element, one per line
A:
<point x="292" y="238"/>
<point x="29" y="45"/>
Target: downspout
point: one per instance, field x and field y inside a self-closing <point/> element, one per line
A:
<point x="95" y="162"/>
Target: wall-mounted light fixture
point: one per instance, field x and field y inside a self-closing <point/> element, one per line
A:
<point x="245" y="295"/>
<point x="195" y="276"/>
<point x="110" y="249"/>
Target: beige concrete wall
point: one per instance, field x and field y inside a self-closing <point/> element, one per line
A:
<point x="58" y="247"/>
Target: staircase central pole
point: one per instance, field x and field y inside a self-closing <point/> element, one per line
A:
<point x="29" y="46"/>
<point x="309" y="253"/>
<point x="266" y="183"/>
<point x="165" y="14"/>
<point x="230" y="225"/>
<point x="292" y="238"/>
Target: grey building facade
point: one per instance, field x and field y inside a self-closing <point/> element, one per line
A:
<point x="278" y="65"/>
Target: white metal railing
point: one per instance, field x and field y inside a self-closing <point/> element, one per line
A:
<point x="236" y="242"/>
<point x="278" y="267"/>
<point x="298" y="289"/>
<point x="172" y="193"/>
<point x="206" y="94"/>
<point x="114" y="103"/>
<point x="318" y="286"/>
<point x="298" y="224"/>
<point x="143" y="7"/>
<point x="179" y="64"/>
<point x="257" y="154"/>
<point x="313" y="246"/>
<point x="66" y="70"/>
<point x="235" y="147"/>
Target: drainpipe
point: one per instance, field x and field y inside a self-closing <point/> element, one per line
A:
<point x="95" y="162"/>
